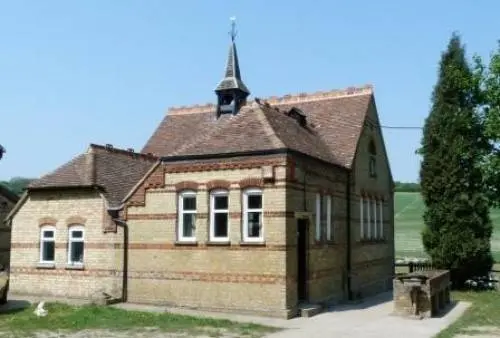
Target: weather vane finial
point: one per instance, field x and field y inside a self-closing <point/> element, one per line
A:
<point x="233" y="28"/>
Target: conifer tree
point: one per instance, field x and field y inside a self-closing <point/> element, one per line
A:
<point x="457" y="224"/>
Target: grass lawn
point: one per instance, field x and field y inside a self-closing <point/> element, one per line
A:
<point x="483" y="314"/>
<point x="408" y="212"/>
<point x="66" y="318"/>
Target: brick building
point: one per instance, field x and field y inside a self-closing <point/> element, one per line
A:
<point x="244" y="205"/>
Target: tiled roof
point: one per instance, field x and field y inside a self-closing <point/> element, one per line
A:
<point x="334" y="124"/>
<point x="114" y="170"/>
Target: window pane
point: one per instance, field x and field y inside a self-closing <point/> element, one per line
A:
<point x="254" y="201"/>
<point x="48" y="251"/>
<point x="220" y="226"/>
<point x="77" y="234"/>
<point x="188" y="224"/>
<point x="254" y="224"/>
<point x="221" y="202"/>
<point x="48" y="234"/>
<point x="190" y="203"/>
<point x="324" y="201"/>
<point x="76" y="254"/>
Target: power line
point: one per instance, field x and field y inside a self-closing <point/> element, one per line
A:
<point x="399" y="127"/>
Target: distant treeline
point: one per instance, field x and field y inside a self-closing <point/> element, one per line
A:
<point x="407" y="187"/>
<point x="17" y="184"/>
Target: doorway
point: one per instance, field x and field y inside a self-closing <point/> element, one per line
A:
<point x="302" y="231"/>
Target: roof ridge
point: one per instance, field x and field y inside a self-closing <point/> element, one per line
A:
<point x="320" y="95"/>
<point x="285" y="99"/>
<point x="275" y="139"/>
<point x="129" y="152"/>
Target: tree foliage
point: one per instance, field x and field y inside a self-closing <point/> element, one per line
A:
<point x="406" y="187"/>
<point x="488" y="77"/>
<point x="17" y="184"/>
<point x="457" y="224"/>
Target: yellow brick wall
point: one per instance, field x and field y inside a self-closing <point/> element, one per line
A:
<point x="101" y="260"/>
<point x="230" y="277"/>
<point x="5" y="207"/>
<point x="326" y="261"/>
<point x="372" y="262"/>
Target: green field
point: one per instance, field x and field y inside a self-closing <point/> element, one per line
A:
<point x="408" y="212"/>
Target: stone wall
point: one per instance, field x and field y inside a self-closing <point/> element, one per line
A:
<point x="422" y="294"/>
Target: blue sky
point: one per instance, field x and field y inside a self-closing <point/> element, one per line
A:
<point x="98" y="71"/>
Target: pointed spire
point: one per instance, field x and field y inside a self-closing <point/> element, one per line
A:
<point x="232" y="76"/>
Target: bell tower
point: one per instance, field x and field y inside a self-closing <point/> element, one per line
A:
<point x="231" y="91"/>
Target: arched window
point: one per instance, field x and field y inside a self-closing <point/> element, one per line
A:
<point x="47" y="244"/>
<point x="253" y="229"/>
<point x="76" y="241"/>
<point x="372" y="161"/>
<point x="187" y="216"/>
<point x="219" y="215"/>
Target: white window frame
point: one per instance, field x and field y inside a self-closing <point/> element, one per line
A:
<point x="318" y="217"/>
<point x="381" y="218"/>
<point x="329" y="218"/>
<point x="374" y="219"/>
<point x="213" y="211"/>
<point x="368" y="233"/>
<point x="181" y="212"/>
<point x="72" y="240"/>
<point x="361" y="218"/>
<point x="44" y="240"/>
<point x="246" y="210"/>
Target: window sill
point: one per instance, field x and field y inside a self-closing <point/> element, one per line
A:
<point x="374" y="241"/>
<point x="218" y="243"/>
<point x="256" y="243"/>
<point x="186" y="243"/>
<point x="47" y="266"/>
<point x="75" y="267"/>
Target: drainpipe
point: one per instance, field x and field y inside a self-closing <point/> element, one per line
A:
<point x="120" y="222"/>
<point x="348" y="236"/>
<point x="114" y="212"/>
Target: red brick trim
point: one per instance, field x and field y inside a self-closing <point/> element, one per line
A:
<point x="218" y="184"/>
<point x="64" y="245"/>
<point x="162" y="246"/>
<point x="371" y="263"/>
<point x="186" y="185"/>
<point x="63" y="272"/>
<point x="47" y="221"/>
<point x="226" y="165"/>
<point x="204" y="215"/>
<point x="163" y="216"/>
<point x="155" y="180"/>
<point x="251" y="182"/>
<point x="75" y="220"/>
<point x="159" y="275"/>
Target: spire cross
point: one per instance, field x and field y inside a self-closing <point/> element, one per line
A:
<point x="233" y="32"/>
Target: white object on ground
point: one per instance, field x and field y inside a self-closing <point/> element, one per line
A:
<point x="40" y="311"/>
